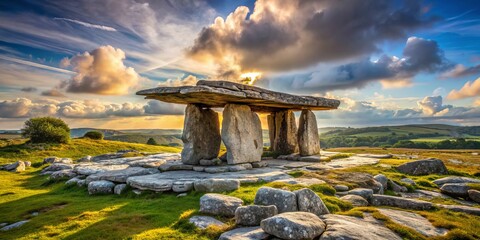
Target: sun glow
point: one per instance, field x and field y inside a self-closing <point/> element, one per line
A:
<point x="250" y="77"/>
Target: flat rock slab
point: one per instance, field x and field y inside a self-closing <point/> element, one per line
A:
<point x="301" y="181"/>
<point x="461" y="208"/>
<point x="245" y="233"/>
<point x="414" y="221"/>
<point x="346" y="227"/>
<point x="219" y="93"/>
<point x="89" y="169"/>
<point x="455" y="179"/>
<point x="120" y="176"/>
<point x="405" y="203"/>
<point x="204" y="222"/>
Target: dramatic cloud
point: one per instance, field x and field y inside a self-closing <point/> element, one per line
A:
<point x="431" y="106"/>
<point x="28" y="89"/>
<point x="461" y="71"/>
<point x="284" y="35"/>
<point x="89" y="25"/>
<point x="419" y="55"/>
<point x="100" y="71"/>
<point x="157" y="107"/>
<point x="22" y="107"/>
<point x="470" y="89"/>
<point x="52" y="93"/>
<point x="190" y="80"/>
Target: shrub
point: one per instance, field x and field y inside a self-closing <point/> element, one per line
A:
<point x="46" y="130"/>
<point x="94" y="135"/>
<point x="152" y="141"/>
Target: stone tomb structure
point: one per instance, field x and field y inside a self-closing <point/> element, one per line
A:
<point x="241" y="129"/>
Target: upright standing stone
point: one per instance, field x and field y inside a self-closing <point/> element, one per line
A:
<point x="242" y="134"/>
<point x="285" y="133"/>
<point x="308" y="140"/>
<point x="201" y="134"/>
<point x="271" y="129"/>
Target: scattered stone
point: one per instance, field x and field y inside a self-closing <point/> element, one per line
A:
<point x="147" y="163"/>
<point x="285" y="201"/>
<point x="182" y="195"/>
<point x="308" y="140"/>
<point x="301" y="181"/>
<point x="89" y="169"/>
<point x="423" y="167"/>
<point x="34" y="214"/>
<point x="362" y="192"/>
<point x="455" y="179"/>
<point x="408" y="181"/>
<point x="259" y="164"/>
<point x="120" y="188"/>
<point x="27" y="164"/>
<point x="204" y="222"/>
<point x="294" y="225"/>
<point x="217" y="204"/>
<point x="253" y="214"/>
<point x="382" y="179"/>
<point x="174" y="166"/>
<point x="347" y="227"/>
<point x="142" y="183"/>
<point x="18" y="166"/>
<point x="57" y="167"/>
<point x="180" y="187"/>
<point x="62" y="174"/>
<point x="414" y="221"/>
<point x="72" y="181"/>
<point x="201" y="134"/>
<point x="14" y="225"/>
<point x="400" y="202"/>
<point x="395" y="187"/>
<point x="216" y="185"/>
<point x="210" y="162"/>
<point x="246" y="233"/>
<point x="341" y="188"/>
<point x="455" y="189"/>
<point x="461" y="208"/>
<point x="100" y="187"/>
<point x="198" y="168"/>
<point x="120" y="176"/>
<point x="377" y="187"/>
<point x="81" y="183"/>
<point x="57" y="160"/>
<point x="474" y="195"/>
<point x="108" y="156"/>
<point x="309" y="201"/>
<point x="355" y="200"/>
<point x="87" y="158"/>
<point x="216" y="169"/>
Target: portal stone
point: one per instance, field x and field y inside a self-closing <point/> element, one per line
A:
<point x="201" y="134"/>
<point x="242" y="134"/>
<point x="285" y="133"/>
<point x="308" y="140"/>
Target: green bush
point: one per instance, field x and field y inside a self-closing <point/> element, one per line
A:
<point x="152" y="141"/>
<point x="94" y="135"/>
<point x="46" y="130"/>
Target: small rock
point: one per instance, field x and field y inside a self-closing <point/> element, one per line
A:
<point x="81" y="183"/>
<point x="120" y="188"/>
<point x="210" y="162"/>
<point x="400" y="202"/>
<point x="27" y="164"/>
<point x="87" y="158"/>
<point x="216" y="169"/>
<point x="474" y="195"/>
<point x="182" y="195"/>
<point x="355" y="200"/>
<point x="218" y="204"/>
<point x="309" y="201"/>
<point x="138" y="192"/>
<point x="247" y="233"/>
<point x="362" y="192"/>
<point x="396" y="188"/>
<point x="204" y="222"/>
<point x="341" y="188"/>
<point x="14" y="225"/>
<point x="63" y="174"/>
<point x="57" y="167"/>
<point x="180" y="187"/>
<point x="285" y="201"/>
<point x="252" y="215"/>
<point x="198" y="169"/>
<point x="34" y="214"/>
<point x="423" y="167"/>
<point x="216" y="185"/>
<point x="57" y="160"/>
<point x="18" y="166"/>
<point x="100" y="187"/>
<point x="377" y="187"/>
<point x="259" y="164"/>
<point x="455" y="179"/>
<point x="382" y="179"/>
<point x="408" y="181"/>
<point x="294" y="225"/>
<point x="455" y="189"/>
<point x="72" y="181"/>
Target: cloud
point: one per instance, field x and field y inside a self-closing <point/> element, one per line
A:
<point x="28" y="89"/>
<point x="285" y="35"/>
<point x="461" y="71"/>
<point x="431" y="106"/>
<point x="101" y="71"/>
<point x="190" y="80"/>
<point x="477" y="102"/>
<point x="89" y="25"/>
<point x="52" y="93"/>
<point x="23" y="107"/>
<point x="470" y="89"/>
<point x="419" y="55"/>
<point x="157" y="107"/>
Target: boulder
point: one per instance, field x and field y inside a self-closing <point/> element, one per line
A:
<point x="218" y="204"/>
<point x="395" y="187"/>
<point x="252" y="215"/>
<point x="309" y="201"/>
<point x="180" y="187"/>
<point x="474" y="195"/>
<point x="81" y="183"/>
<point x="13" y="225"/>
<point x="294" y="225"/>
<point x="355" y="200"/>
<point x="455" y="179"/>
<point x="73" y="181"/>
<point x="308" y="140"/>
<point x="382" y="179"/>
<point x="455" y="189"/>
<point x="362" y="192"/>
<point x="141" y="183"/>
<point x="216" y="185"/>
<point x="347" y="227"/>
<point x="242" y="134"/>
<point x="57" y="167"/>
<point x="246" y="233"/>
<point x="285" y="132"/>
<point x="400" y="202"/>
<point x="100" y="187"/>
<point x="201" y="134"/>
<point x="414" y="221"/>
<point x="204" y="222"/>
<point x="341" y="188"/>
<point x="57" y="160"/>
<point x="423" y="167"/>
<point x="120" y="176"/>
<point x="408" y="181"/>
<point x="120" y="188"/>
<point x="62" y="174"/>
<point x="285" y="201"/>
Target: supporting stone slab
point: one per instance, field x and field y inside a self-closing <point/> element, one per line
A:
<point x="201" y="134"/>
<point x="308" y="140"/>
<point x="242" y="134"/>
<point x="285" y="132"/>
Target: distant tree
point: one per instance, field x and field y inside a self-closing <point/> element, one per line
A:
<point x="46" y="130"/>
<point x="96" y="135"/>
<point x="152" y="141"/>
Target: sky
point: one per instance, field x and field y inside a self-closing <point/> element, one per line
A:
<point x="389" y="62"/>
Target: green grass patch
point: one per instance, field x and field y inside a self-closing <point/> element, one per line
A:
<point x="340" y="156"/>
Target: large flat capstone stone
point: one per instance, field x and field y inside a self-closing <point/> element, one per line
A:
<point x="220" y="93"/>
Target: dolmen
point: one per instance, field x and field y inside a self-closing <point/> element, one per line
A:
<point x="241" y="130"/>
